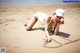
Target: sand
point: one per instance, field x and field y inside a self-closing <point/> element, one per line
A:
<point x="15" y="38"/>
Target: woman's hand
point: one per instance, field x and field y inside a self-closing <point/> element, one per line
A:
<point x="47" y="39"/>
<point x="62" y="21"/>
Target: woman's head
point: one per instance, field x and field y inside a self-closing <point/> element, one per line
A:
<point x="59" y="14"/>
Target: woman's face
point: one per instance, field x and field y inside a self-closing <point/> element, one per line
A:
<point x="58" y="18"/>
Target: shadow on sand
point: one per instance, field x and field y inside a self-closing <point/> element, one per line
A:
<point x="63" y="34"/>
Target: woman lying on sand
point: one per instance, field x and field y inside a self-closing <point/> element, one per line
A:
<point x="50" y="21"/>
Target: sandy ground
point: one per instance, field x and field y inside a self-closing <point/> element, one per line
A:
<point x="15" y="38"/>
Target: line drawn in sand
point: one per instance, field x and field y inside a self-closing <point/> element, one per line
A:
<point x="59" y="43"/>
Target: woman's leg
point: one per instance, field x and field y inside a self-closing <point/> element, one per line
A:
<point x="31" y="23"/>
<point x="56" y="31"/>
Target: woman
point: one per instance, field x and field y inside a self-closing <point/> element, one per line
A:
<point x="50" y="21"/>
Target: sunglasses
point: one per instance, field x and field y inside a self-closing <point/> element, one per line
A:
<point x="59" y="17"/>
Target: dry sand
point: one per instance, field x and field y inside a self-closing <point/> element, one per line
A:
<point x="15" y="38"/>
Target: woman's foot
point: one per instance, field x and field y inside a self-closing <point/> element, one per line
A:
<point x="25" y="24"/>
<point x="27" y="28"/>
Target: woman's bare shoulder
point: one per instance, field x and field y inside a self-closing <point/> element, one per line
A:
<point x="48" y="18"/>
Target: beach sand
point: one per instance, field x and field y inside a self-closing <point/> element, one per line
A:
<point x="15" y="38"/>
